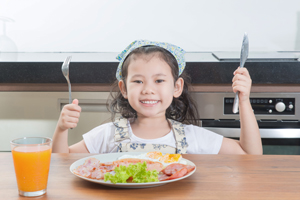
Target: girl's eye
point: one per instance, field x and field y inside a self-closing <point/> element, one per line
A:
<point x="137" y="81"/>
<point x="159" y="81"/>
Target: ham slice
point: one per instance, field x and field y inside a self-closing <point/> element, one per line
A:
<point x="97" y="174"/>
<point x="83" y="171"/>
<point x="156" y="165"/>
<point x="108" y="167"/>
<point x="91" y="163"/>
<point x="175" y="170"/>
<point x="87" y="168"/>
<point x="163" y="177"/>
<point x="178" y="174"/>
<point x="92" y="168"/>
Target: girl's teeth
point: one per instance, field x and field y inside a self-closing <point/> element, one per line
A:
<point x="149" y="102"/>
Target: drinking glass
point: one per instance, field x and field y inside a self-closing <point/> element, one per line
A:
<point x="32" y="157"/>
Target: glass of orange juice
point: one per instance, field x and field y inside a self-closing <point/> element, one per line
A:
<point x="32" y="157"/>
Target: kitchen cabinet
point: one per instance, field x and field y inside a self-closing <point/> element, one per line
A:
<point x="36" y="114"/>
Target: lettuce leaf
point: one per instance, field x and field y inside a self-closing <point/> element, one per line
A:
<point x="138" y="172"/>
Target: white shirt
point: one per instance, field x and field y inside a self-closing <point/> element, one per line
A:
<point x="200" y="140"/>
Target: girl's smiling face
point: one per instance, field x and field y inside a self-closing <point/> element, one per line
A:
<point x="150" y="85"/>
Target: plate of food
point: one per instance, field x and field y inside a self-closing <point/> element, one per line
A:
<point x="133" y="169"/>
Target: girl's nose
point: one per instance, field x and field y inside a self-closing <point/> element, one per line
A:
<point x="148" y="89"/>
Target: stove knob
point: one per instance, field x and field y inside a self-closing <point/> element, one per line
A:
<point x="280" y="106"/>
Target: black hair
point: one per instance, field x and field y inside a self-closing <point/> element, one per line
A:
<point x="182" y="109"/>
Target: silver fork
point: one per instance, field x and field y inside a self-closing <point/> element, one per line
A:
<point x="65" y="71"/>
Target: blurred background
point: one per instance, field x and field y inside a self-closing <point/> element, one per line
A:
<point x="48" y="30"/>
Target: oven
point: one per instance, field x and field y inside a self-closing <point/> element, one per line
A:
<point x="277" y="115"/>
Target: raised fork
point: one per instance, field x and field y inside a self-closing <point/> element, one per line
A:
<point x="65" y="71"/>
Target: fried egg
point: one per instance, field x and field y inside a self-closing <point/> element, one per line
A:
<point x="157" y="156"/>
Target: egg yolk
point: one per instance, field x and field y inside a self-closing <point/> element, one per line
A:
<point x="170" y="158"/>
<point x="167" y="158"/>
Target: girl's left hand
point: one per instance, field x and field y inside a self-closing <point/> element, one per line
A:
<point x="242" y="82"/>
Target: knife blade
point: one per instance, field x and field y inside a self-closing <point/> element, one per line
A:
<point x="243" y="58"/>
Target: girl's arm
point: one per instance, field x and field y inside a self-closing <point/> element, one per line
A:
<point x="250" y="140"/>
<point x="69" y="118"/>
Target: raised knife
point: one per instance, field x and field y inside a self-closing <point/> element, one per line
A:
<point x="244" y="56"/>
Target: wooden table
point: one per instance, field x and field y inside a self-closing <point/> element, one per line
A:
<point x="217" y="177"/>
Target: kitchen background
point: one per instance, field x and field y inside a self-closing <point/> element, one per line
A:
<point x="91" y="26"/>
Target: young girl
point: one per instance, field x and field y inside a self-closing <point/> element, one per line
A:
<point x="157" y="112"/>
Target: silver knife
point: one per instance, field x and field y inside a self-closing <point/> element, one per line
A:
<point x="244" y="56"/>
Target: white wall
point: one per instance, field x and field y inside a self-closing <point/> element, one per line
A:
<point x="110" y="25"/>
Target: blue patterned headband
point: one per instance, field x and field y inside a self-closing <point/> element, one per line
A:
<point x="176" y="51"/>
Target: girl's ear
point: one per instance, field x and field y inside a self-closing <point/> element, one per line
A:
<point x="178" y="87"/>
<point x="122" y="88"/>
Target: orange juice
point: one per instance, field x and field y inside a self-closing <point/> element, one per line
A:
<point x="32" y="165"/>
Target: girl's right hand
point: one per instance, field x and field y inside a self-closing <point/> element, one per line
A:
<point x="69" y="116"/>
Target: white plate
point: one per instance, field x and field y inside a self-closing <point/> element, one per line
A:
<point x="114" y="156"/>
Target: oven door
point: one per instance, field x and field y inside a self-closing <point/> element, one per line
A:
<point x="277" y="141"/>
<point x="279" y="128"/>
